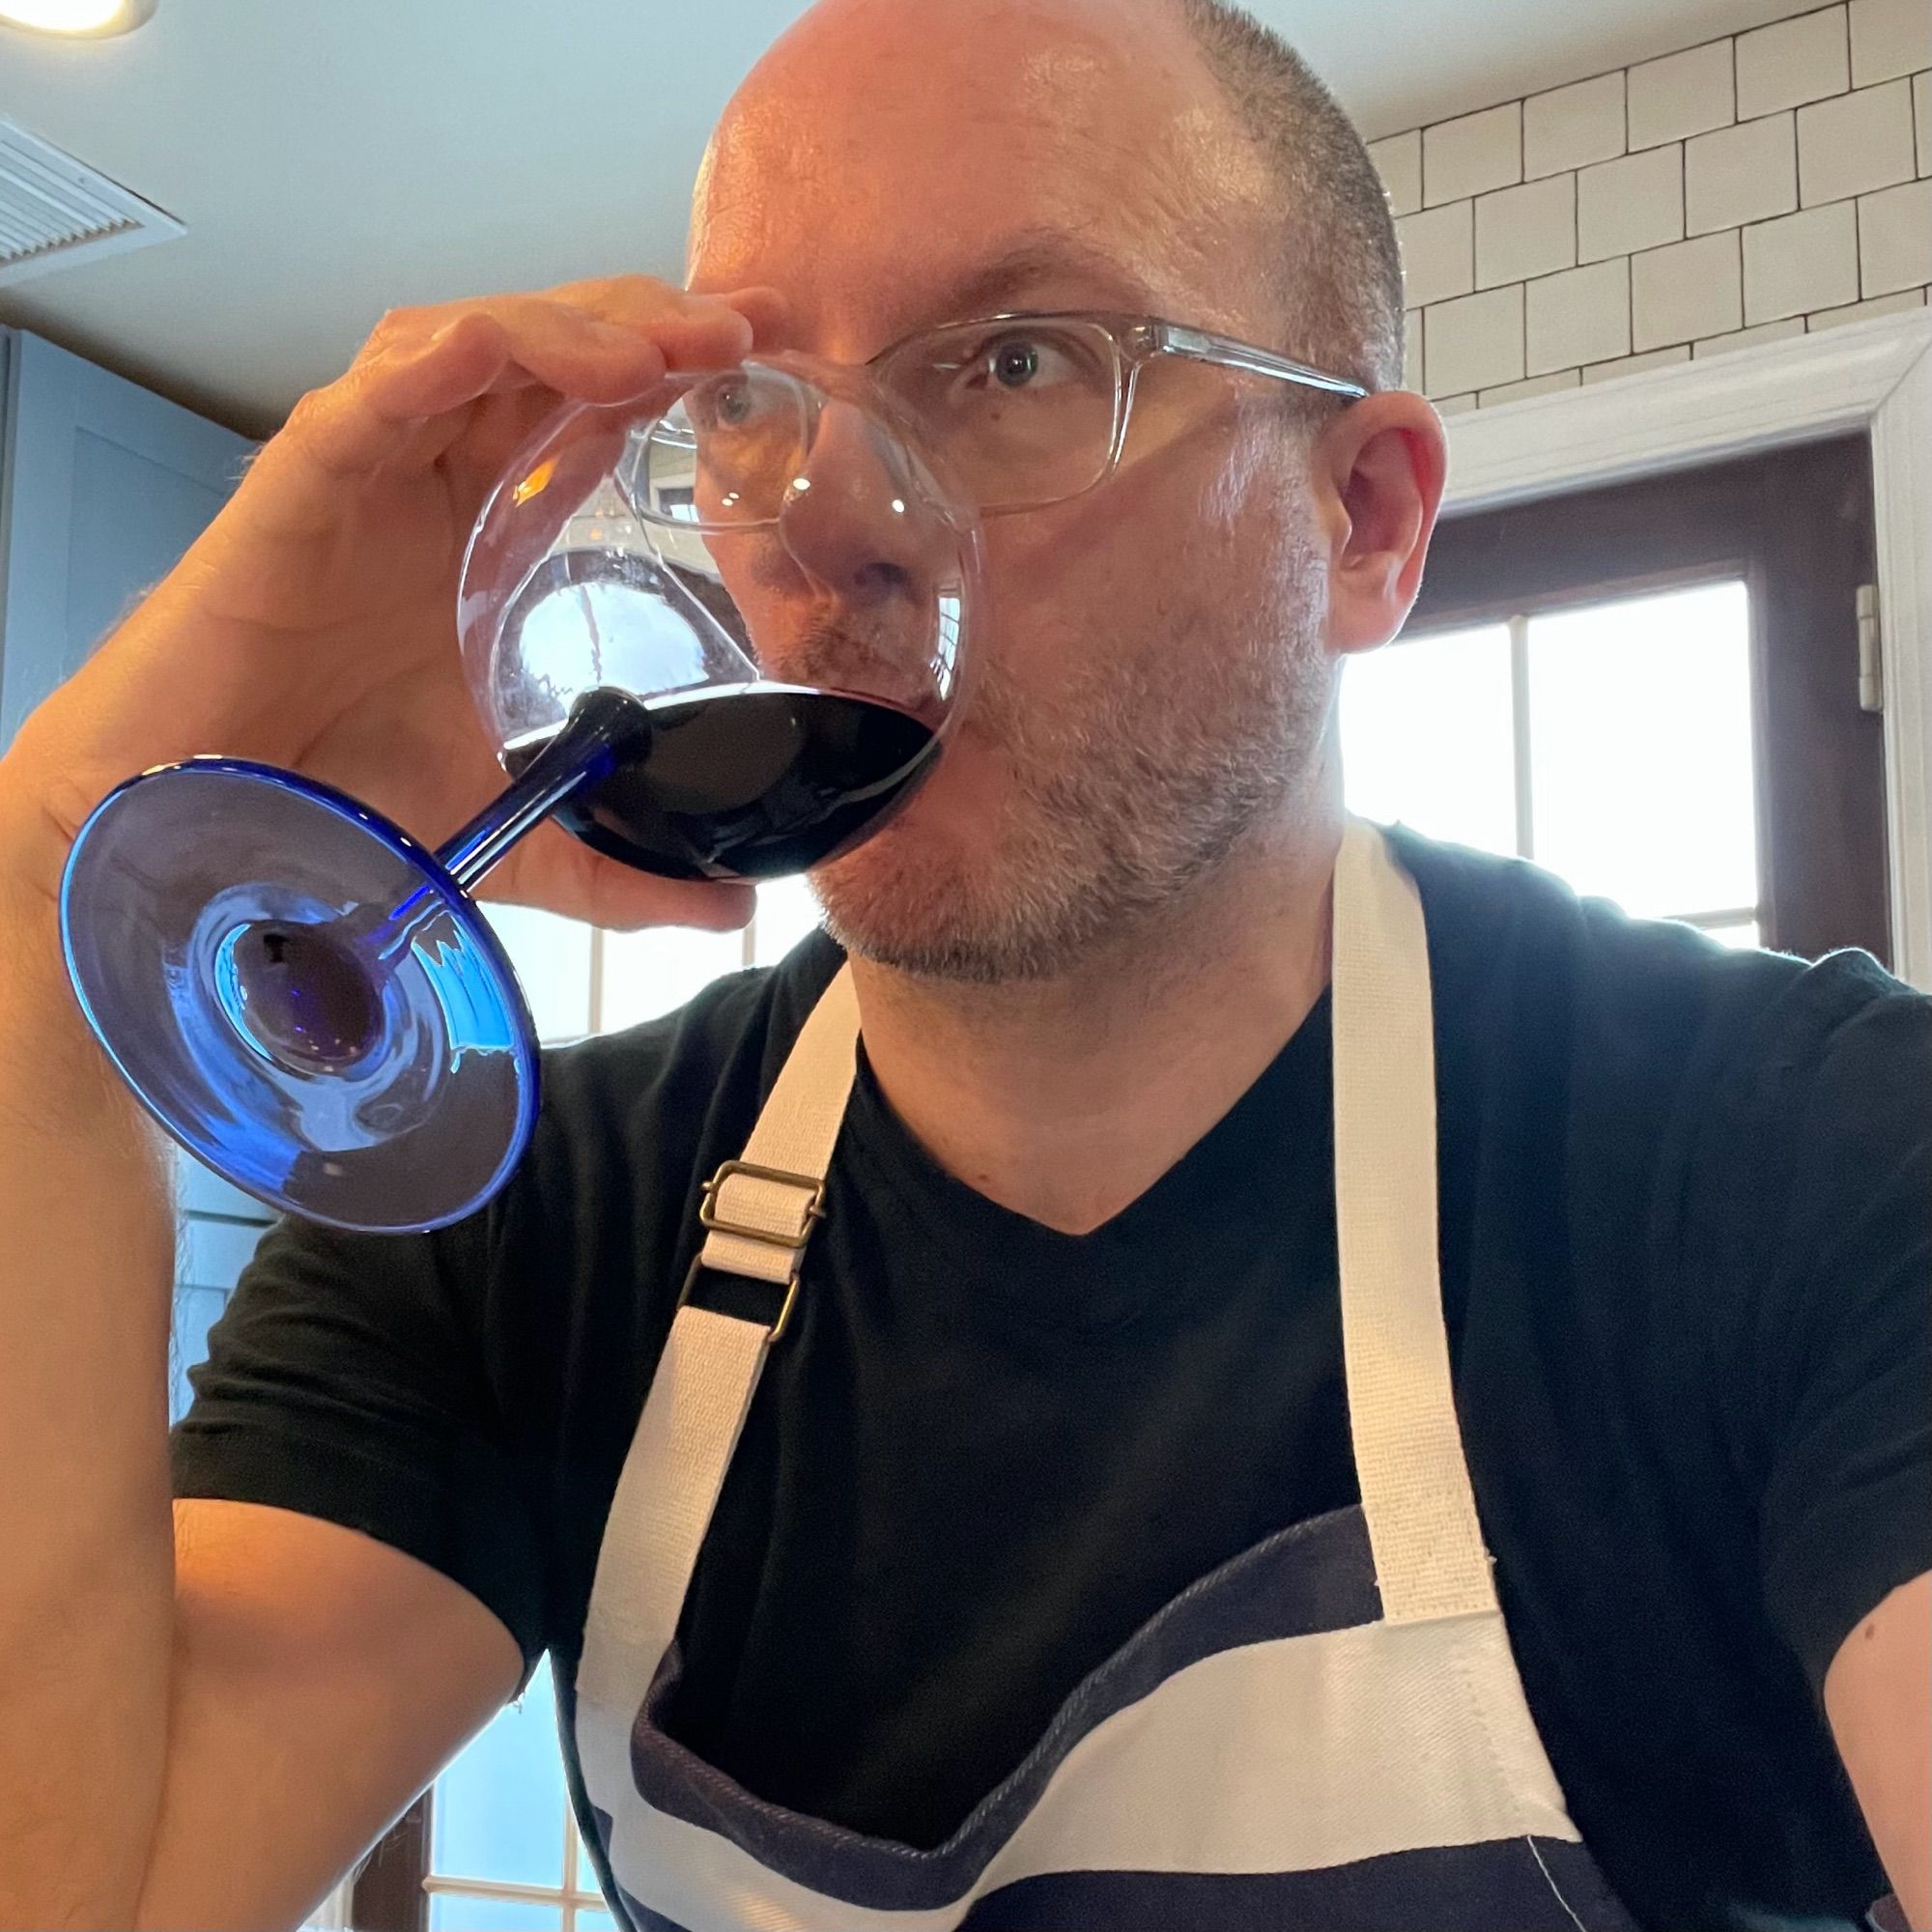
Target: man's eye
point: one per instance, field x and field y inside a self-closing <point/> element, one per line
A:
<point x="1014" y="364"/>
<point x="732" y="405"/>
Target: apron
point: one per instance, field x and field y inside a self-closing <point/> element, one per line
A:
<point x="1327" y="1732"/>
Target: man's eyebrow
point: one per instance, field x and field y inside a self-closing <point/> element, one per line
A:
<point x="1030" y="259"/>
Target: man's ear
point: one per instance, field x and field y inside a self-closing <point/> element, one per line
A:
<point x="1377" y="470"/>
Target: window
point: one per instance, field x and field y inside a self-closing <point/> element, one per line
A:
<point x="1610" y="742"/>
<point x="1654" y="689"/>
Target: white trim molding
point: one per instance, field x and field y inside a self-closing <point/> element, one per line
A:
<point x="1873" y="376"/>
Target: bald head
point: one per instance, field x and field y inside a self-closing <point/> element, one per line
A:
<point x="1177" y="137"/>
<point x="1338" y="272"/>
<point x="1151" y="658"/>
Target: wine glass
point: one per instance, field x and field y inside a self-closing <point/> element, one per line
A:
<point x="719" y="633"/>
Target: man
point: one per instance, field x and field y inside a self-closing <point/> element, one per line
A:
<point x="1066" y="1380"/>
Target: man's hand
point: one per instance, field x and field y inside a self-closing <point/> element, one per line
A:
<point x="313" y="624"/>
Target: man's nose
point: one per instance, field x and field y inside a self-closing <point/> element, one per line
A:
<point x="859" y="519"/>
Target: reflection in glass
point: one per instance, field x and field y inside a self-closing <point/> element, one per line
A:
<point x="551" y="959"/>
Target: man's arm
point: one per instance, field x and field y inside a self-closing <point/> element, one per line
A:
<point x="319" y="1679"/>
<point x="1878" y="1695"/>
<point x="197" y="1737"/>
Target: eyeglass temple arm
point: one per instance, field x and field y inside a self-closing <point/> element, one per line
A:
<point x="1171" y="339"/>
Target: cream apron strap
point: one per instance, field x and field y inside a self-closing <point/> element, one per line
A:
<point x="1427" y="1544"/>
<point x="759" y="1211"/>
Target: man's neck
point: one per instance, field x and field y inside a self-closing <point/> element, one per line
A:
<point x="1065" y="1099"/>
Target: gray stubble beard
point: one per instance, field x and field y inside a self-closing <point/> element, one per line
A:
<point x="1117" y="820"/>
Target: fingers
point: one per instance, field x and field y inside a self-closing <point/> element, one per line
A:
<point x="555" y="871"/>
<point x="597" y="343"/>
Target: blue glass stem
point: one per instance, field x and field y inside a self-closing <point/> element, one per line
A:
<point x="605" y="729"/>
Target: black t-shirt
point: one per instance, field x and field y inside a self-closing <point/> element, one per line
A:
<point x="1685" y="1241"/>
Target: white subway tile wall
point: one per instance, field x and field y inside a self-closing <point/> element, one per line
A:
<point x="1750" y="338"/>
<point x="1399" y="162"/>
<point x="1736" y="193"/>
<point x="1632" y="203"/>
<point x="1534" y="385"/>
<point x="1746" y="173"/>
<point x="1889" y="38"/>
<point x="1629" y="365"/>
<point x="1527" y="231"/>
<point x="1682" y="94"/>
<point x="1438" y="254"/>
<point x="1571" y="127"/>
<point x="1898" y="304"/>
<point x="1854" y="143"/>
<point x="1472" y="155"/>
<point x="1802" y="262"/>
<point x="1692" y="289"/>
<point x="1582" y="316"/>
<point x="1474" y="342"/>
<point x="1793" y="61"/>
<point x="1895" y="239"/>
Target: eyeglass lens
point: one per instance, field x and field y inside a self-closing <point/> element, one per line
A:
<point x="1014" y="414"/>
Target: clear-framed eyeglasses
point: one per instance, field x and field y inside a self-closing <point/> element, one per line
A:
<point x="1020" y="410"/>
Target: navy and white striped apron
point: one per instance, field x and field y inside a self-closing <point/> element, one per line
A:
<point x="1327" y="1732"/>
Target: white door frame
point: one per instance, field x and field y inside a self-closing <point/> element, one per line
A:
<point x="1874" y="376"/>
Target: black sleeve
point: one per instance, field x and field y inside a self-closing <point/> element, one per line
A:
<point x="1840" y="1336"/>
<point x="344" y="1380"/>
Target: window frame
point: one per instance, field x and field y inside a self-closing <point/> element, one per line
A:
<point x="1796" y="524"/>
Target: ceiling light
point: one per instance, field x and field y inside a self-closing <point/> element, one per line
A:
<point x="95" y="18"/>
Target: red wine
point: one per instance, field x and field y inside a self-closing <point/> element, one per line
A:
<point x="749" y="781"/>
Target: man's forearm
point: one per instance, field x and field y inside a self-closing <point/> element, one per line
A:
<point x="86" y="1583"/>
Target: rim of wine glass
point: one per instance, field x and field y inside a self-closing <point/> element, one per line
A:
<point x="961" y="513"/>
<point x="412" y="852"/>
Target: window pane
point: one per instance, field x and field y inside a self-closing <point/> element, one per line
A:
<point x="452" y="1911"/>
<point x="552" y="956"/>
<point x="587" y="1875"/>
<point x="786" y="913"/>
<point x="1640" y="747"/>
<point x="1427" y="736"/>
<point x="499" y="1810"/>
<point x="595" y="1922"/>
<point x="1743" y="936"/>
<point x="655" y="972"/>
<point x="196" y="1310"/>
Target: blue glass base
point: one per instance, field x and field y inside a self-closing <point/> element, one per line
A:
<point x="301" y="994"/>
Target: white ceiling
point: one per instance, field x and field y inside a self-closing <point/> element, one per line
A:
<point x="336" y="158"/>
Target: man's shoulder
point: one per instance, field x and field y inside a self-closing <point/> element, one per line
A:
<point x="709" y="1063"/>
<point x="1533" y="962"/>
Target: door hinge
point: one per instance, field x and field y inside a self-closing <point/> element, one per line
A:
<point x="1871" y="651"/>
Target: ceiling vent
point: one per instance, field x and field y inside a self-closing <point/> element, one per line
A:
<point x="56" y="212"/>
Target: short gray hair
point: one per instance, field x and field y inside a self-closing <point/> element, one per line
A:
<point x="1340" y="273"/>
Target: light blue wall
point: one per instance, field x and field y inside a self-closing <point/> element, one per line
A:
<point x="102" y="486"/>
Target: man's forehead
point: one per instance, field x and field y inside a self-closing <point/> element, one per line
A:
<point x="865" y="164"/>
